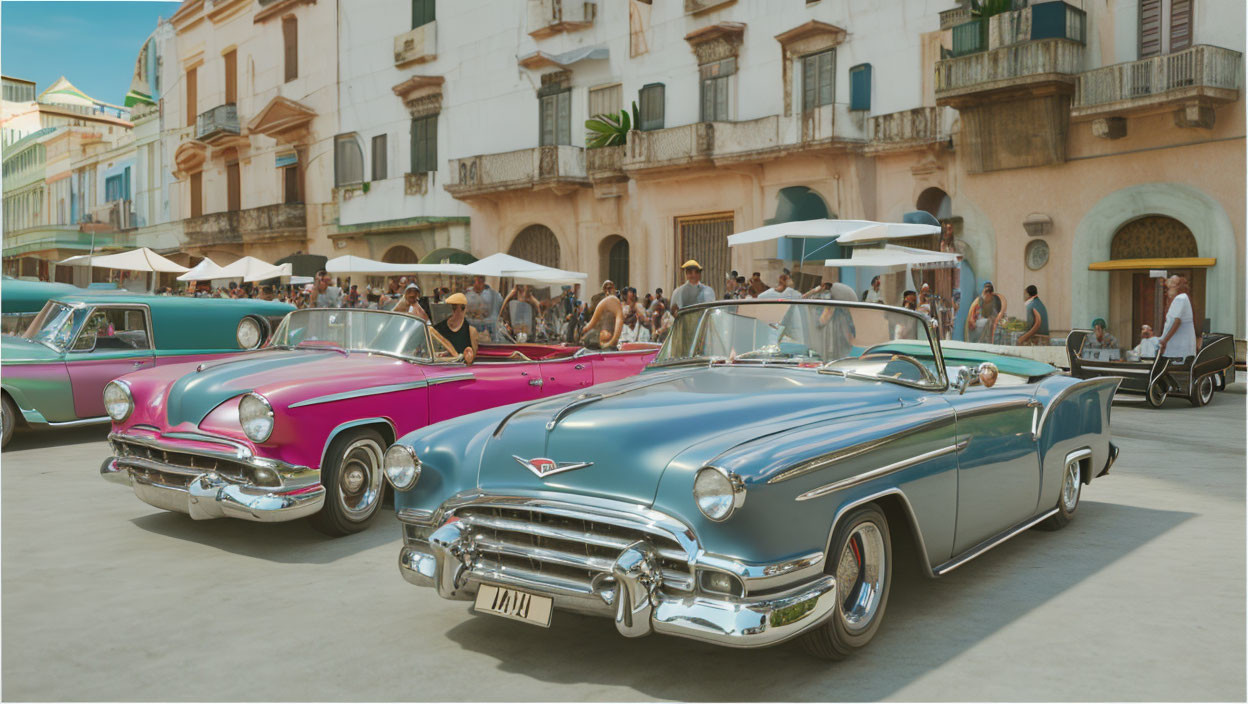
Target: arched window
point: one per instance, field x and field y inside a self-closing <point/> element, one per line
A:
<point x="936" y="202"/>
<point x="613" y="258"/>
<point x="536" y="243"/>
<point x="400" y="254"/>
<point x="1153" y="237"/>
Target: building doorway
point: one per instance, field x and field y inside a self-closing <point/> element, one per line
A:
<point x="1140" y="247"/>
<point x="704" y="238"/>
<point x="613" y="260"/>
<point x="538" y="244"/>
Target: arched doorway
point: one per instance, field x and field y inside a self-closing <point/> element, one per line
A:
<point x="538" y="244"/>
<point x="613" y="260"/>
<point x="400" y="254"/>
<point x="1152" y="242"/>
<point x="935" y="201"/>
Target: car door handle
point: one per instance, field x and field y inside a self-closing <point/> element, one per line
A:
<point x="535" y="382"/>
<point x="579" y="367"/>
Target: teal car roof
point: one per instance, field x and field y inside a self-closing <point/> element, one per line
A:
<point x="1017" y="366"/>
<point x="185" y="323"/>
<point x="18" y="296"/>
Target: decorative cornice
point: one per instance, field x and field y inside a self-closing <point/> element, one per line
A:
<point x="726" y="30"/>
<point x="277" y="7"/>
<point x="417" y="83"/>
<point x="813" y="29"/>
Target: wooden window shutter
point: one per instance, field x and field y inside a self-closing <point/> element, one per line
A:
<point x="290" y="38"/>
<point x="231" y="77"/>
<point x="192" y="96"/>
<point x="1180" y="25"/>
<point x="197" y="194"/>
<point x="1150" y="28"/>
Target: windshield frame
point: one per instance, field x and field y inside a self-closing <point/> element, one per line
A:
<point x="428" y="359"/>
<point x="942" y="375"/>
<point x="70" y="306"/>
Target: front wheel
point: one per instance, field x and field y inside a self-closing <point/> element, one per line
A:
<point x="1157" y="394"/>
<point x="862" y="556"/>
<point x="354" y="483"/>
<point x="1204" y="391"/>
<point x="8" y="419"/>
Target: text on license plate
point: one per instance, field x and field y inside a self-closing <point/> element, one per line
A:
<point x="513" y="603"/>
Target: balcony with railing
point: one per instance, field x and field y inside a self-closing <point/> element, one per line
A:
<point x="550" y="17"/>
<point x="673" y="147"/>
<point x="907" y="129"/>
<point x="1203" y="74"/>
<point x="1026" y="67"/>
<point x="218" y="126"/>
<point x="268" y="223"/>
<point x="605" y="164"/>
<point x="559" y="168"/>
<point x="117" y="214"/>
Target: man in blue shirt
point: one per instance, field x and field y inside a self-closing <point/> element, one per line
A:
<point x="1036" y="318"/>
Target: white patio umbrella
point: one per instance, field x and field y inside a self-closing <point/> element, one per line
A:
<point x="897" y="257"/>
<point x="505" y="265"/>
<point x="351" y="264"/>
<point x="843" y="230"/>
<point x="245" y="269"/>
<point x="274" y="273"/>
<point x="141" y="259"/>
<point x="206" y="270"/>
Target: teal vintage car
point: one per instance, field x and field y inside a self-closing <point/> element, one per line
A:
<point x="750" y="486"/>
<point x="21" y="301"/>
<point x="53" y="374"/>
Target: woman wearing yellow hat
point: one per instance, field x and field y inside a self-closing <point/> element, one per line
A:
<point x="455" y="332"/>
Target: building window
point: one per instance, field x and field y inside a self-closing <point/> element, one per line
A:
<point x="716" y="89"/>
<point x="233" y="187"/>
<point x="231" y="77"/>
<point x="379" y="158"/>
<point x="290" y="40"/>
<point x="348" y="161"/>
<point x="555" y="117"/>
<point x="113" y="188"/>
<point x="860" y="87"/>
<point x="197" y="194"/>
<point x="422" y="12"/>
<point x="192" y="96"/>
<point x="651" y="110"/>
<point x="1150" y="28"/>
<point x="424" y="144"/>
<point x="817" y="79"/>
<point x="604" y="100"/>
<point x="1180" y="25"/>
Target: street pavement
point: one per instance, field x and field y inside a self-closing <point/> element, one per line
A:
<point x="1142" y="597"/>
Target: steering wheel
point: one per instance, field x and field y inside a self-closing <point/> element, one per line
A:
<point x="924" y="373"/>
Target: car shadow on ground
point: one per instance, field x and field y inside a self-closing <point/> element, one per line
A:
<point x="946" y="616"/>
<point x="27" y="439"/>
<point x="291" y="542"/>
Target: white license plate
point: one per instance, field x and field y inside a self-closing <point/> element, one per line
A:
<point x="514" y="604"/>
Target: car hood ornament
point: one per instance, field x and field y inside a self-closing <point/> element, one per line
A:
<point x="544" y="467"/>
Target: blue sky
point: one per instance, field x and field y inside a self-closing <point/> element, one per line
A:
<point x="93" y="43"/>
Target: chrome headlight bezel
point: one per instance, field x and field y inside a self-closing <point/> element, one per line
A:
<point x="401" y="466"/>
<point x="250" y="323"/>
<point x="718" y="493"/>
<point x="256" y="413"/>
<point x="124" y="388"/>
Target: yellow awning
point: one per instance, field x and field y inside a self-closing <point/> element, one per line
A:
<point x="1161" y="263"/>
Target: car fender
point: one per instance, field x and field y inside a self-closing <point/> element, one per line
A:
<point x="1073" y="414"/>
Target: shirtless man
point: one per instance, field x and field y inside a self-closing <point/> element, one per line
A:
<point x="410" y="303"/>
<point x="602" y="332"/>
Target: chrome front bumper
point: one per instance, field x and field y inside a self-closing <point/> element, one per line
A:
<point x="632" y="594"/>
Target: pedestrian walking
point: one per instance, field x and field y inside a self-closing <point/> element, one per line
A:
<point x="1179" y="331"/>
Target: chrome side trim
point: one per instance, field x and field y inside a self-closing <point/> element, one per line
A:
<point x="82" y="421"/>
<point x="1061" y="395"/>
<point x="416" y="516"/>
<point x="1076" y="455"/>
<point x="370" y="391"/>
<point x="580" y="400"/>
<point x="813" y="465"/>
<point x="951" y="565"/>
<point x="880" y="472"/>
<point x="449" y="378"/>
<point x="998" y="407"/>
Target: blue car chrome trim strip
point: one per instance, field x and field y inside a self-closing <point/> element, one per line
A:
<point x="578" y="401"/>
<point x="880" y="471"/>
<point x="989" y="544"/>
<point x="845" y="453"/>
<point x="370" y="391"/>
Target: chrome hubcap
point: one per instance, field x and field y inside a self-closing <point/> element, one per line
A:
<point x="1070" y="488"/>
<point x="360" y="482"/>
<point x="1206" y="389"/>
<point x="860" y="573"/>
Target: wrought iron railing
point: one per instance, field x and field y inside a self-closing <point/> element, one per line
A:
<point x="1200" y="66"/>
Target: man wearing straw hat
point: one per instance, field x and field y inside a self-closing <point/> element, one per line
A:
<point x="693" y="290"/>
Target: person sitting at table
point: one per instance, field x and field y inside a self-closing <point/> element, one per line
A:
<point x="455" y="333"/>
<point x="1149" y="343"/>
<point x="1100" y="339"/>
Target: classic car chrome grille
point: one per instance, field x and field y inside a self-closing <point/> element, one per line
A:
<point x="177" y="467"/>
<point x="572" y="550"/>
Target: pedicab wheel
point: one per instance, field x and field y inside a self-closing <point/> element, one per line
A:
<point x="1157" y="394"/>
<point x="1204" y="391"/>
<point x="862" y="556"/>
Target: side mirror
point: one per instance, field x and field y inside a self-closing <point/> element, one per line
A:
<point x="986" y="374"/>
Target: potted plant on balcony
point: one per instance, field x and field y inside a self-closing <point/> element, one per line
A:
<point x="610" y="130"/>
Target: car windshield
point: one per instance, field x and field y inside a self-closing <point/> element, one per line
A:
<point x="56" y="325"/>
<point x="840" y="338"/>
<point x="355" y="330"/>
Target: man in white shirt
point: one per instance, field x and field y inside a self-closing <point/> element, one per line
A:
<point x="1179" y="339"/>
<point x="783" y="289"/>
<point x="323" y="295"/>
<point x="1149" y="344"/>
<point x="873" y="293"/>
<point x="693" y="290"/>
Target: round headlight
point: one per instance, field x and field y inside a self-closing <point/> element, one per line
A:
<point x="716" y="494"/>
<point x="117" y="401"/>
<point x="256" y="416"/>
<point x="249" y="334"/>
<point x="401" y="466"/>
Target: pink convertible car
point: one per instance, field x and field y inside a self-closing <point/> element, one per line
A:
<point x="299" y="428"/>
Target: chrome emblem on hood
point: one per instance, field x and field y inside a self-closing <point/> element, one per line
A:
<point x="544" y="467"/>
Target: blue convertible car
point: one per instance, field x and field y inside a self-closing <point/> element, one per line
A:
<point x="751" y="484"/>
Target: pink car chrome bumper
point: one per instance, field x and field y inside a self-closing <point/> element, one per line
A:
<point x="212" y="484"/>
